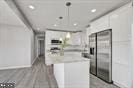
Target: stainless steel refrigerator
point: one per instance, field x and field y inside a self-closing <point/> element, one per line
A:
<point x="101" y="54"/>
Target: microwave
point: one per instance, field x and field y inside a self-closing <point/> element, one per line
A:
<point x="55" y="41"/>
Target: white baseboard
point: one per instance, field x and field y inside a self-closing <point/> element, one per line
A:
<point x="119" y="85"/>
<point x="34" y="61"/>
<point x="14" y="67"/>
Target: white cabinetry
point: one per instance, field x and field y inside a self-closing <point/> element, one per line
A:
<point x="100" y="24"/>
<point x="121" y="24"/>
<point x="75" y="38"/>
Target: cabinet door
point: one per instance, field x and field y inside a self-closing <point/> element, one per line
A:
<point x="100" y="24"/>
<point x="75" y="39"/>
<point x="120" y="22"/>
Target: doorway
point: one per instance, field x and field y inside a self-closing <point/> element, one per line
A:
<point x="41" y="48"/>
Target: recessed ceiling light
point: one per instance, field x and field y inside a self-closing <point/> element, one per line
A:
<point x="93" y="10"/>
<point x="55" y="25"/>
<point x="75" y="24"/>
<point x="31" y="7"/>
<point x="38" y="28"/>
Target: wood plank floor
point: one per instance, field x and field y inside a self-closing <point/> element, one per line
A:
<point x="98" y="83"/>
<point x="40" y="76"/>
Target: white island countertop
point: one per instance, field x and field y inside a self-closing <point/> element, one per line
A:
<point x="66" y="58"/>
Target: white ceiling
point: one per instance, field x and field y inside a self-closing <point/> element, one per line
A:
<point x="7" y="15"/>
<point x="46" y="12"/>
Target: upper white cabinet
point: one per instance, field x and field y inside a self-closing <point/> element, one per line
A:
<point x="120" y="22"/>
<point x="100" y="24"/>
<point x="75" y="39"/>
<point x="50" y="35"/>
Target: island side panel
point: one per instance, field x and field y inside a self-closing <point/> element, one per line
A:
<point x="59" y="74"/>
<point x="77" y="74"/>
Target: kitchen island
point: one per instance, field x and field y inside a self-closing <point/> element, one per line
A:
<point x="70" y="70"/>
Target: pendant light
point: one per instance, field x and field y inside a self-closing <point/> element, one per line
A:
<point x="68" y="4"/>
<point x="68" y="36"/>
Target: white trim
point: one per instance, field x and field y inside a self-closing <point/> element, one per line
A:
<point x="34" y="60"/>
<point x="119" y="85"/>
<point x="14" y="67"/>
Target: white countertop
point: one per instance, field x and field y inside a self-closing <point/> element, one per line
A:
<point x="66" y="58"/>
